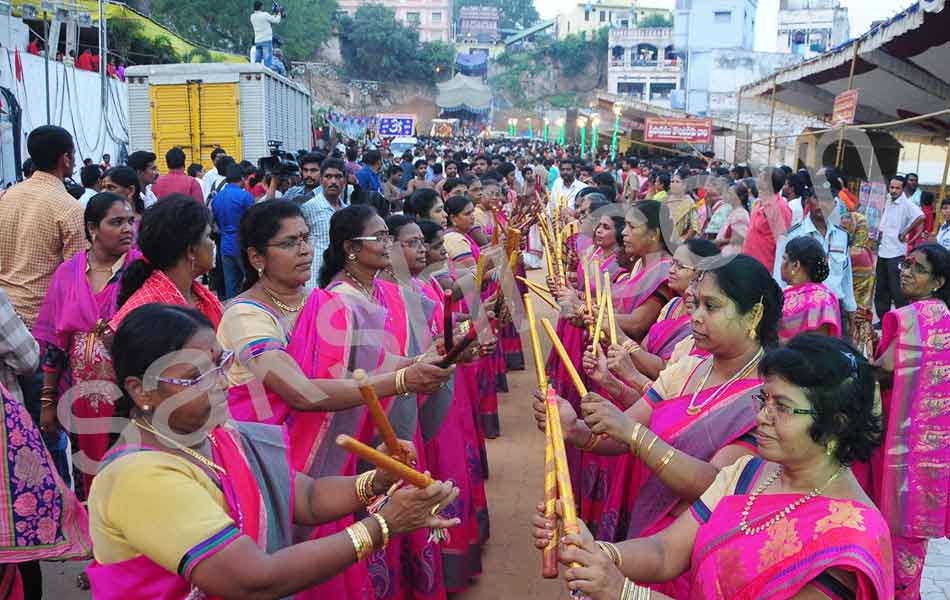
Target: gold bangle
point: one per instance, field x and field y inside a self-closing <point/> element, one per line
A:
<point x="665" y="461"/>
<point x="612" y="552"/>
<point x="383" y="526"/>
<point x="357" y="543"/>
<point x="47" y="401"/>
<point x="362" y="533"/>
<point x="401" y="387"/>
<point x="650" y="446"/>
<point x="591" y="443"/>
<point x="364" y="487"/>
<point x="627" y="592"/>
<point x="631" y="347"/>
<point x="634" y="443"/>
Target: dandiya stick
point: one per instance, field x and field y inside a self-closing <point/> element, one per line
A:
<point x="536" y="345"/>
<point x="494" y="226"/>
<point x="379" y="415"/>
<point x="377" y="458"/>
<point x="479" y="273"/>
<point x="540" y="291"/>
<point x="549" y="553"/>
<point x="562" y="353"/>
<point x="611" y="318"/>
<point x="447" y="321"/>
<point x="451" y="357"/>
<point x="597" y="285"/>
<point x="565" y="492"/>
<point x="599" y="327"/>
<point x="590" y="307"/>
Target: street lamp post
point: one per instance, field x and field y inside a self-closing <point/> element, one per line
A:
<point x="618" y="109"/>
<point x="582" y="124"/>
<point x="561" y="132"/>
<point x="530" y="129"/>
<point x="546" y="124"/>
<point x="594" y="122"/>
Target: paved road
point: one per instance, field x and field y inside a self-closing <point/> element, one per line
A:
<point x="511" y="564"/>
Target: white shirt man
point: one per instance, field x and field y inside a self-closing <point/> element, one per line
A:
<point x="899" y="214"/>
<point x="261" y="21"/>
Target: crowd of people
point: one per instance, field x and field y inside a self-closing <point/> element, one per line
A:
<point x="766" y="416"/>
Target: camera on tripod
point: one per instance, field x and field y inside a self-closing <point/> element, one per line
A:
<point x="279" y="163"/>
<point x="277" y="9"/>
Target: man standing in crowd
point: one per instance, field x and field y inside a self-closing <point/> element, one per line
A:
<point x="480" y="166"/>
<point x="567" y="185"/>
<point x="106" y="163"/>
<point x="261" y="21"/>
<point x="89" y="176"/>
<point x="144" y="164"/>
<point x="318" y="211"/>
<point x="228" y="207"/>
<point x="793" y="192"/>
<point x="834" y="240"/>
<point x="176" y="181"/>
<point x="368" y="175"/>
<point x="420" y="181"/>
<point x="770" y="218"/>
<point x="310" y="172"/>
<point x="911" y="189"/>
<point x="900" y="216"/>
<point x="212" y="177"/>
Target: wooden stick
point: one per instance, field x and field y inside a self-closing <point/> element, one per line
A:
<point x="479" y="274"/>
<point x="494" y="227"/>
<point x="373" y="456"/>
<point x="599" y="327"/>
<point x="561" y="352"/>
<point x="447" y="322"/>
<point x="549" y="554"/>
<point x="598" y="286"/>
<point x="565" y="492"/>
<point x="536" y="345"/>
<point x="386" y="431"/>
<point x="451" y="357"/>
<point x="611" y="318"/>
<point x="590" y="307"/>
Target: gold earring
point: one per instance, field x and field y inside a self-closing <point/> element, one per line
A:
<point x="260" y="273"/>
<point x="351" y="257"/>
<point x="146" y="408"/>
<point x="831" y="448"/>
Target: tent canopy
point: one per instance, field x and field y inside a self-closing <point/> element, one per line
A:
<point x="463" y="93"/>
<point x="901" y="72"/>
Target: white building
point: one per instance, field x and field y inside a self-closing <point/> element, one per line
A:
<point x="588" y="17"/>
<point x="808" y="28"/>
<point x="641" y="64"/>
<point x="433" y="18"/>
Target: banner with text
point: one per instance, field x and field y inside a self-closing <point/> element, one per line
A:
<point x="678" y="131"/>
<point x="397" y="125"/>
<point x="846" y="105"/>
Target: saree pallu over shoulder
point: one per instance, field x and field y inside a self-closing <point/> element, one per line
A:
<point x="635" y="290"/>
<point x="913" y="484"/>
<point x="258" y="490"/>
<point x="160" y="289"/>
<point x="777" y="563"/>
<point x="668" y="331"/>
<point x="809" y="307"/>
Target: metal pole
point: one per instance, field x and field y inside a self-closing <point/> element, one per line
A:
<point x="49" y="119"/>
<point x="772" y="120"/>
<point x="943" y="183"/>
<point x="735" y="148"/>
<point x="840" y="154"/>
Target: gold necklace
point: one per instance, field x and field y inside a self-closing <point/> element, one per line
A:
<point x="744" y="523"/>
<point x="284" y="307"/>
<point x="190" y="452"/>
<point x="360" y="285"/>
<point x="694" y="409"/>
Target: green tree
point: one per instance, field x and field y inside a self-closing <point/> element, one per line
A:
<point x="656" y="20"/>
<point x="513" y="14"/>
<point x="377" y="46"/>
<point x="225" y="24"/>
<point x="128" y="41"/>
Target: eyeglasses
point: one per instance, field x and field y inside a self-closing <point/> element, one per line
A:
<point x="907" y="265"/>
<point x="677" y="265"/>
<point x="414" y="243"/>
<point x="779" y="411"/>
<point x="207" y="380"/>
<point x="382" y="238"/>
<point x="294" y="243"/>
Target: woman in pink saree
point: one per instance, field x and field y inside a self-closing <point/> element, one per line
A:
<point x="445" y="418"/>
<point x="701" y="406"/>
<point x="910" y="473"/>
<point x="791" y="525"/>
<point x="809" y="305"/>
<point x="221" y="500"/>
<point x="292" y="350"/>
<point x="80" y="301"/>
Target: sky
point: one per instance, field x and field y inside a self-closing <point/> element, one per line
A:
<point x="861" y="12"/>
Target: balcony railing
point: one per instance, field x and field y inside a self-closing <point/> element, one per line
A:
<point x="666" y="63"/>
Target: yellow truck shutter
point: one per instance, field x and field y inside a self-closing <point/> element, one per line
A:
<point x="196" y="117"/>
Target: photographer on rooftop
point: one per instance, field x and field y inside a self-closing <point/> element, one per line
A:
<point x="261" y="21"/>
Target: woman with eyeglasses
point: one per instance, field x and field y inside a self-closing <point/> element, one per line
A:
<point x="221" y="499"/>
<point x="382" y="333"/>
<point x="910" y="473"/>
<point x="290" y="349"/>
<point x="696" y="418"/>
<point x="446" y="420"/>
<point x="793" y="523"/>
<point x="177" y="249"/>
<point x="809" y="305"/>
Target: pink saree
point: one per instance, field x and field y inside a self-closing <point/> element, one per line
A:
<point x="776" y="564"/>
<point x="70" y="322"/>
<point x="598" y="472"/>
<point x="910" y="473"/>
<point x="809" y="307"/>
<point x="670" y="329"/>
<point x="258" y="490"/>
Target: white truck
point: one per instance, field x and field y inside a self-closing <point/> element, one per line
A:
<point x="241" y="108"/>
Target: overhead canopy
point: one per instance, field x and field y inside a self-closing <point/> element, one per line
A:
<point x="464" y="93"/>
<point x="902" y="71"/>
<point x="472" y="61"/>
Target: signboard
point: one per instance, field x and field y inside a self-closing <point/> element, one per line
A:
<point x="397" y="125"/>
<point x="678" y="131"/>
<point x="846" y="104"/>
<point x="872" y="199"/>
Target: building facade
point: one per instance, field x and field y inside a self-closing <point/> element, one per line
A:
<point x="642" y="64"/>
<point x="432" y="18"/>
<point x="478" y="24"/>
<point x="808" y="28"/>
<point x="585" y="18"/>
